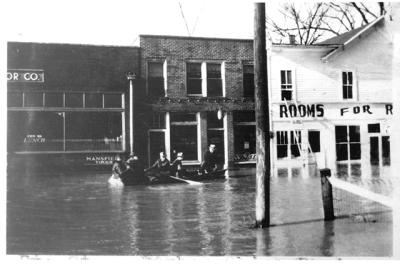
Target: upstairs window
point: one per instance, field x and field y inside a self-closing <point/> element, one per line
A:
<point x="214" y="80"/>
<point x="193" y="79"/>
<point x="347" y="79"/>
<point x="286" y="85"/>
<point x="155" y="80"/>
<point x="248" y="81"/>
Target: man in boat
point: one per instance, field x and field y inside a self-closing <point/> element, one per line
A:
<point x="134" y="172"/>
<point x="161" y="167"/>
<point x="210" y="161"/>
<point x="118" y="165"/>
<point x="176" y="165"/>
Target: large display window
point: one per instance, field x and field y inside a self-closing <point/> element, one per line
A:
<point x="244" y="130"/>
<point x="184" y="134"/>
<point x="41" y="122"/>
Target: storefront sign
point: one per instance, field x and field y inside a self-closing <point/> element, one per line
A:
<point x="99" y="160"/>
<point x="25" y="75"/>
<point x="332" y="111"/>
<point x="301" y="110"/>
<point x="30" y="139"/>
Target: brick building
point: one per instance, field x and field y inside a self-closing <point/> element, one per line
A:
<point x="198" y="91"/>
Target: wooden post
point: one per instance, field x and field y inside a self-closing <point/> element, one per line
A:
<point x="327" y="197"/>
<point x="262" y="119"/>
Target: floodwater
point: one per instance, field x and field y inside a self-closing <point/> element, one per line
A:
<point x="80" y="214"/>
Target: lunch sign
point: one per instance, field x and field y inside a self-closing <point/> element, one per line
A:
<point x="25" y="75"/>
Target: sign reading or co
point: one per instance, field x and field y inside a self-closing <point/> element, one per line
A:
<point x="25" y="75"/>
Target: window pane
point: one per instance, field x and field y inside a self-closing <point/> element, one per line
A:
<point x="245" y="143"/>
<point x="158" y="121"/>
<point x="155" y="69"/>
<point x="183" y="117"/>
<point x="213" y="70"/>
<point x="194" y="86"/>
<point x="184" y="139"/>
<point x="94" y="100"/>
<point x="74" y="100"/>
<point x="112" y="101"/>
<point x="93" y="131"/>
<point x="295" y="150"/>
<point x="341" y="133"/>
<point x="35" y="131"/>
<point x="33" y="99"/>
<point x="355" y="151"/>
<point x="14" y="99"/>
<point x="345" y="92"/>
<point x="386" y="150"/>
<point x="213" y="121"/>
<point x="193" y="70"/>
<point x="344" y="78"/>
<point x="214" y="87"/>
<point x="283" y="77"/>
<point x="314" y="141"/>
<point x="350" y="78"/>
<point x="289" y="77"/>
<point x="286" y="94"/>
<point x="374" y="128"/>
<point x="282" y="151"/>
<point x="354" y="134"/>
<point x="53" y="99"/>
<point x="155" y="80"/>
<point x="341" y="152"/>
<point x="248" y="80"/>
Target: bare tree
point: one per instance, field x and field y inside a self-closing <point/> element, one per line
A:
<point x="311" y="23"/>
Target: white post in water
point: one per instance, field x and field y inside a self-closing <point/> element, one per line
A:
<point x="131" y="77"/>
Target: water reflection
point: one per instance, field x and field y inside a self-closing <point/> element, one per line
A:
<point x="81" y="214"/>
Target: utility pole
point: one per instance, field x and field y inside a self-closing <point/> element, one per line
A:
<point x="131" y="77"/>
<point x="263" y="172"/>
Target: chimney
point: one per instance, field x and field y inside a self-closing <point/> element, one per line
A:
<point x="292" y="39"/>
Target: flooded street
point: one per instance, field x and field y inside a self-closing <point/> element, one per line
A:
<point x="81" y="214"/>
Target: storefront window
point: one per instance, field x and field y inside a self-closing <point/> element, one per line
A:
<point x="74" y="100"/>
<point x="14" y="99"/>
<point x="283" y="144"/>
<point x="34" y="131"/>
<point x="184" y="134"/>
<point x="94" y="100"/>
<point x="53" y="99"/>
<point x="33" y="99"/>
<point x="112" y="101"/>
<point x="348" y="146"/>
<point x="244" y="130"/>
<point x="93" y="131"/>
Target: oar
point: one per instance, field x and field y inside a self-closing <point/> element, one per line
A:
<point x="187" y="181"/>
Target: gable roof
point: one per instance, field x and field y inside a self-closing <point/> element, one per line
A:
<point x="343" y="41"/>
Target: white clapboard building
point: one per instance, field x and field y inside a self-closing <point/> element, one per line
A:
<point x="331" y="102"/>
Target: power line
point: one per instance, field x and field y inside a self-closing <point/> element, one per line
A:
<point x="184" y="19"/>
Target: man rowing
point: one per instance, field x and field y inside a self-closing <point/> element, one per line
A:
<point x="210" y="161"/>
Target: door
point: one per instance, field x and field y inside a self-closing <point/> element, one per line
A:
<point x="156" y="145"/>
<point x="374" y="150"/>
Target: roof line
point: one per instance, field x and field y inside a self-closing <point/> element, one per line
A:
<point x="369" y="26"/>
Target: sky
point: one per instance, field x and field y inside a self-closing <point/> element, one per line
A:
<point x="119" y="22"/>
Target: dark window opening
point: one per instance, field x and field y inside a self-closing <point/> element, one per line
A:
<point x="214" y="80"/>
<point x="248" y="81"/>
<point x="347" y="80"/>
<point x="184" y="139"/>
<point x="244" y="116"/>
<point x="245" y="142"/>
<point x="286" y="85"/>
<point x="282" y="144"/>
<point x="213" y="121"/>
<point x="295" y="143"/>
<point x="158" y="121"/>
<point x="374" y="128"/>
<point x="348" y="146"/>
<point x="193" y="78"/>
<point x="314" y="141"/>
<point x="155" y="79"/>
